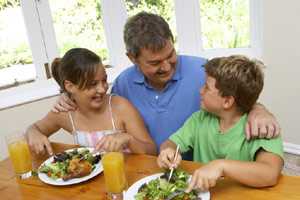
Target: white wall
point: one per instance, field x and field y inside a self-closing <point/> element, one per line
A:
<point x="281" y="53"/>
<point x="19" y="117"/>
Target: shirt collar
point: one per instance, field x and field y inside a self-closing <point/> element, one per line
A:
<point x="178" y="75"/>
<point x="140" y="78"/>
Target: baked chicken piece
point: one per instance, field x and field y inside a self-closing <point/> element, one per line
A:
<point x="78" y="168"/>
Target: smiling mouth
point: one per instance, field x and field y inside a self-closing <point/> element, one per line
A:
<point x="98" y="98"/>
<point x="163" y="75"/>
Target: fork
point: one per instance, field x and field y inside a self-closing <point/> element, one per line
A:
<point x="179" y="192"/>
<point x="175" y="194"/>
<point x="175" y="157"/>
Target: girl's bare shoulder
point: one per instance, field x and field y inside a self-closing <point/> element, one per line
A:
<point x="121" y="104"/>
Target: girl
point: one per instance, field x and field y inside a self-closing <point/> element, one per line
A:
<point x="106" y="122"/>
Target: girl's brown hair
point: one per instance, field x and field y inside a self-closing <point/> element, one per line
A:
<point x="78" y="65"/>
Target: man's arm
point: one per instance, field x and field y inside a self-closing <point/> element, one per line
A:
<point x="261" y="123"/>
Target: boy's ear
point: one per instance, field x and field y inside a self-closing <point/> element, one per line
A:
<point x="69" y="86"/>
<point x="228" y="102"/>
<point x="131" y="58"/>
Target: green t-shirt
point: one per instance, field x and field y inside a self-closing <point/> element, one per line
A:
<point x="201" y="133"/>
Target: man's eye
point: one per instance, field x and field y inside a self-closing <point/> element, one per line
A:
<point x="154" y="63"/>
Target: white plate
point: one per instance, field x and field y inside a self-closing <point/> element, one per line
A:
<point x="133" y="190"/>
<point x="43" y="177"/>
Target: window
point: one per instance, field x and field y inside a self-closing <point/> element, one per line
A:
<point x="225" y="23"/>
<point x="205" y="28"/>
<point x="164" y="8"/>
<point x="16" y="65"/>
<point x="51" y="33"/>
<point x="79" y="24"/>
<point x="220" y="27"/>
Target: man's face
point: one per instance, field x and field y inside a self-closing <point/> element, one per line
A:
<point x="157" y="67"/>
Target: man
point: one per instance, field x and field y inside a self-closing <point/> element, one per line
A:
<point x="164" y="86"/>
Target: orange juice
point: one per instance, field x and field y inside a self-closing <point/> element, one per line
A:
<point x="20" y="156"/>
<point x="114" y="172"/>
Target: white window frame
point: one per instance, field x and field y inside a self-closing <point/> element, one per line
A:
<point x="188" y="24"/>
<point x="41" y="35"/>
<point x="38" y="40"/>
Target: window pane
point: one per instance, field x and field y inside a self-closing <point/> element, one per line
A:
<point x="79" y="23"/>
<point x="164" y="8"/>
<point x="225" y="23"/>
<point x="15" y="55"/>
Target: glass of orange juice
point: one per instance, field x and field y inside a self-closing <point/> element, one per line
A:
<point x="114" y="174"/>
<point x="19" y="154"/>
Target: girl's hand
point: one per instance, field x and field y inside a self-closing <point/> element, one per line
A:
<point x="38" y="142"/>
<point x="113" y="142"/>
<point x="166" y="158"/>
<point x="206" y="176"/>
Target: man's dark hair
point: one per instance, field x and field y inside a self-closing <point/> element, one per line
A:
<point x="146" y="30"/>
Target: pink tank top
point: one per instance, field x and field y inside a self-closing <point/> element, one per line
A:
<point x="90" y="139"/>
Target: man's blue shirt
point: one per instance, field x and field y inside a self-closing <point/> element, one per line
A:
<point x="164" y="111"/>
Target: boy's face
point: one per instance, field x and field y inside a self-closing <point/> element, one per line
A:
<point x="211" y="101"/>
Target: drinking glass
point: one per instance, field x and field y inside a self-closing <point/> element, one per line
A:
<point x="19" y="154"/>
<point x="114" y="174"/>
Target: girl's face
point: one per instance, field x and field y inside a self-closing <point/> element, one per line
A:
<point x="93" y="95"/>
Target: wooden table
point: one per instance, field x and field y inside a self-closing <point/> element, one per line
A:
<point x="137" y="167"/>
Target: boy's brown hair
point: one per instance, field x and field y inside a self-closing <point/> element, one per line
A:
<point x="237" y="76"/>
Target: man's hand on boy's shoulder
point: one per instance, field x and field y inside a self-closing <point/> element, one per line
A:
<point x="64" y="104"/>
<point x="261" y="123"/>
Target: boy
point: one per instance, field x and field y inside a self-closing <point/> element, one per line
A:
<point x="216" y="133"/>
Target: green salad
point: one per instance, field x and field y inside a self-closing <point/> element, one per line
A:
<point x="71" y="164"/>
<point x="160" y="188"/>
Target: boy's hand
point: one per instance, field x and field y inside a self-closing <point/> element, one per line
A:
<point x="206" y="176"/>
<point x="166" y="158"/>
<point x="64" y="104"/>
<point x="38" y="142"/>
